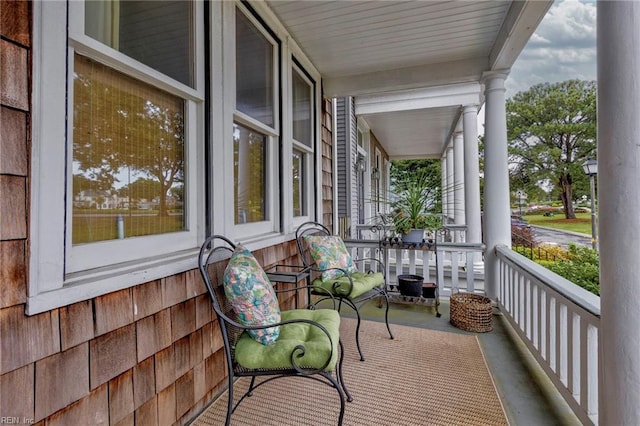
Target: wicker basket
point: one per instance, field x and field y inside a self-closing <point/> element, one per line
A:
<point x="471" y="312"/>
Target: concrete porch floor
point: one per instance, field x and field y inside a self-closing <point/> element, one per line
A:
<point x="528" y="396"/>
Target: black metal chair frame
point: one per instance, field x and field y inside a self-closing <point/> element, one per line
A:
<point x="231" y="330"/>
<point x="315" y="228"/>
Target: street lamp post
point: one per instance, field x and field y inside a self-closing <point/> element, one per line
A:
<point x="520" y="194"/>
<point x="590" y="168"/>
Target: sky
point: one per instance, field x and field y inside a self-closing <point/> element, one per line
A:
<point x="562" y="48"/>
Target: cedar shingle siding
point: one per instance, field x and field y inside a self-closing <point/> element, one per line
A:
<point x="150" y="354"/>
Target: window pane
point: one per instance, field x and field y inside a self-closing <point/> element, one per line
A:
<point x="254" y="71"/>
<point x="249" y="167"/>
<point x="156" y="33"/>
<point x="128" y="156"/>
<point x="299" y="194"/>
<point x="302" y="108"/>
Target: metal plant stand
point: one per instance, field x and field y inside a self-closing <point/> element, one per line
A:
<point x="430" y="290"/>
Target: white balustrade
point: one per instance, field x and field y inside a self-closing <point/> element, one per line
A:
<point x="450" y="265"/>
<point x="556" y="319"/>
<point x="559" y="323"/>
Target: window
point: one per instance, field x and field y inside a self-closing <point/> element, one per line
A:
<point x="128" y="156"/>
<point x="256" y="133"/>
<point x="131" y="105"/>
<point x="119" y="164"/>
<point x="302" y="102"/>
<point x="249" y="174"/>
<point x="155" y="33"/>
<point x="302" y="106"/>
<point x="254" y="71"/>
<point x="118" y="107"/>
<point x="298" y="175"/>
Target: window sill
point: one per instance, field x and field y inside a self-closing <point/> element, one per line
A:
<point x="86" y="285"/>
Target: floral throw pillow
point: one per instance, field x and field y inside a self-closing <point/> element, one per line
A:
<point x="330" y="252"/>
<point x="251" y="295"/>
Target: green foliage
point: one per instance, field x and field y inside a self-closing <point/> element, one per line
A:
<point x="405" y="173"/>
<point x="416" y="194"/>
<point x="551" y="132"/>
<point x="118" y="128"/>
<point x="142" y="189"/>
<point x="581" y="267"/>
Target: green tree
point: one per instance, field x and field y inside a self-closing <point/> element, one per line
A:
<point x="551" y="132"/>
<point x="142" y="188"/>
<point x="416" y="187"/>
<point x="82" y="183"/>
<point x="405" y="173"/>
<point x="122" y="123"/>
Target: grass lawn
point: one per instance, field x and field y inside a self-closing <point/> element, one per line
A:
<point x="100" y="227"/>
<point x="582" y="222"/>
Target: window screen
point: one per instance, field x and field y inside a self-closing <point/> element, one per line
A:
<point x="128" y="156"/>
<point x="249" y="168"/>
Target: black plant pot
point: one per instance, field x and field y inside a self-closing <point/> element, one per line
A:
<point x="410" y="285"/>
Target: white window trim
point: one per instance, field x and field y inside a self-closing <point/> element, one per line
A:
<point x="55" y="278"/>
<point x="224" y="114"/>
<point x="222" y="118"/>
<point x="315" y="168"/>
<point x="271" y="226"/>
<point x="48" y="286"/>
<point x="308" y="151"/>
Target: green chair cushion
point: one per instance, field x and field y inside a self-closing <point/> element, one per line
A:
<point x="362" y="283"/>
<point x="253" y="355"/>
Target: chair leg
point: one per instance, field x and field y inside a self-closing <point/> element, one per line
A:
<point x="339" y="371"/>
<point x="227" y="422"/>
<point x="334" y="382"/>
<point x="386" y="314"/>
<point x="355" y="308"/>
<point x="251" y="386"/>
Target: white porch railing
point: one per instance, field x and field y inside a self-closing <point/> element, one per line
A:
<point x="450" y="265"/>
<point x="456" y="233"/>
<point x="559" y="323"/>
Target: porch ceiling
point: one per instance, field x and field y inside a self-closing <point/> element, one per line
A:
<point x="366" y="47"/>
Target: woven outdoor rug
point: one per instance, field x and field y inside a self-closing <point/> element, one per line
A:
<point x="422" y="377"/>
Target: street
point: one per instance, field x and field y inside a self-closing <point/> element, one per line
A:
<point x="554" y="236"/>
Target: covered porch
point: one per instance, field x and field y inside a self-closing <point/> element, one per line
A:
<point x="419" y="378"/>
<point x="426" y="107"/>
<point x="130" y="337"/>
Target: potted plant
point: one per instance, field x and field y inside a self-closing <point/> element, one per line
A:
<point x="413" y="209"/>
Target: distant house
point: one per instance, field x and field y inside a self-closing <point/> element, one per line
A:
<point x="101" y="200"/>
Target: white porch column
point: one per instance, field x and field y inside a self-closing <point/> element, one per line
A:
<point x="471" y="174"/>
<point x="445" y="207"/>
<point x="450" y="183"/>
<point x="618" y="45"/>
<point x="497" y="216"/>
<point x="458" y="178"/>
